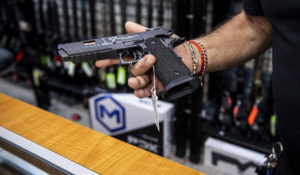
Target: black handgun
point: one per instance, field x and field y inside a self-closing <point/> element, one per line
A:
<point x="176" y="77"/>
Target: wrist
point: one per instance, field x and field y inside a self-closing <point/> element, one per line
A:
<point x="193" y="57"/>
<point x="202" y="56"/>
<point x="196" y="62"/>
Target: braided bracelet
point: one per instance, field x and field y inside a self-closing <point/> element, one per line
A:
<point x="203" y="54"/>
<point x="193" y="57"/>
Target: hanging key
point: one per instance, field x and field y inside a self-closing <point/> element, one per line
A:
<point x="271" y="162"/>
<point x="276" y="152"/>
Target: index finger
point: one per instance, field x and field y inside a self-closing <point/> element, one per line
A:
<point x="107" y="62"/>
<point x="132" y="27"/>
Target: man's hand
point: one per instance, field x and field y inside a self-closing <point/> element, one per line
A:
<point x="142" y="70"/>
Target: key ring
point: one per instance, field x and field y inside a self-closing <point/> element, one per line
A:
<point x="274" y="150"/>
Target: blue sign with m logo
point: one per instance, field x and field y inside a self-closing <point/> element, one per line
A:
<point x="110" y="113"/>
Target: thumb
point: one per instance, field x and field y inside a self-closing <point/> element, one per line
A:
<point x="132" y="27"/>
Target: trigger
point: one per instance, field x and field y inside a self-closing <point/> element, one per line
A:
<point x="137" y="55"/>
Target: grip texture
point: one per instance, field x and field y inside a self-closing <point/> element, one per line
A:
<point x="176" y="77"/>
<point x="169" y="65"/>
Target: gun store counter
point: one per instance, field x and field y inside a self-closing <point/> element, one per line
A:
<point x="44" y="143"/>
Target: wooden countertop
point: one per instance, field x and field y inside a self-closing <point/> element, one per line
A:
<point x="91" y="149"/>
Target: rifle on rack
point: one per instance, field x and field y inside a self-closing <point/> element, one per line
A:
<point x="3" y="22"/>
<point x="10" y="38"/>
<point x="83" y="20"/>
<point x="66" y="20"/>
<point x="190" y="17"/>
<point x="260" y="102"/>
<point x="7" y="57"/>
<point x="123" y="14"/>
<point x="160" y="18"/>
<point x="56" y="37"/>
<point x="218" y="108"/>
<point x="182" y="113"/>
<point x="92" y="6"/>
<point x="239" y="102"/>
<point x="112" y="22"/>
<point x="123" y="5"/>
<point x="150" y="13"/>
<point x="53" y="32"/>
<point x="2" y="18"/>
<point x="42" y="27"/>
<point x="222" y="10"/>
<point x="75" y="20"/>
<point x="257" y="91"/>
<point x="195" y="126"/>
<point x="104" y="17"/>
<point x="138" y="12"/>
<point x="198" y="12"/>
<point x="200" y="17"/>
<point x="56" y="20"/>
<point x="179" y="11"/>
<point x="25" y="13"/>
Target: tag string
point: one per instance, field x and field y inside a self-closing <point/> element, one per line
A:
<point x="154" y="83"/>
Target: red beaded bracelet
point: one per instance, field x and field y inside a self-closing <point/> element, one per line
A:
<point x="203" y="55"/>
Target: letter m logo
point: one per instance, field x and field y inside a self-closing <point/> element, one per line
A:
<point x="110" y="113"/>
<point x="104" y="112"/>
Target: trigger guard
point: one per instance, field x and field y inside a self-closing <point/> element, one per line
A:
<point x="135" y="59"/>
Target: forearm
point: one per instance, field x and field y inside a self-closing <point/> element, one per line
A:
<point x="237" y="41"/>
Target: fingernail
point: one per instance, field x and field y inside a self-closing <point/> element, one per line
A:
<point x="130" y="81"/>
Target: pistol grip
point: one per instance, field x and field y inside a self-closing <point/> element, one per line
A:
<point x="176" y="77"/>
